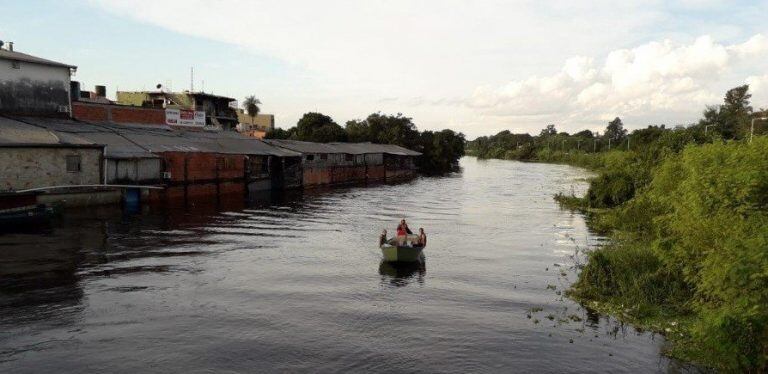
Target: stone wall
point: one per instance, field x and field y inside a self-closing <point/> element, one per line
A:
<point x="31" y="167"/>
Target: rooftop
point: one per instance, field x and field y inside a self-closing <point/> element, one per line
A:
<point x="18" y="56"/>
<point x="135" y="140"/>
<point x="348" y="148"/>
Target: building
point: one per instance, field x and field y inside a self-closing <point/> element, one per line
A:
<point x="220" y="111"/>
<point x="342" y="163"/>
<point x="257" y="126"/>
<point x="32" y="85"/>
<point x="38" y="166"/>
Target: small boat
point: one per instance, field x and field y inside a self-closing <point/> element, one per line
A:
<point x="25" y="215"/>
<point x="394" y="253"/>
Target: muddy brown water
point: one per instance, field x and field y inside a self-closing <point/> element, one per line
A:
<point x="294" y="283"/>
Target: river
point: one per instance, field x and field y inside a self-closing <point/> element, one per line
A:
<point x="294" y="283"/>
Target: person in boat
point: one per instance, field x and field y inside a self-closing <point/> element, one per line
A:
<point x="405" y="226"/>
<point x="422" y="241"/>
<point x="402" y="233"/>
<point x="383" y="237"/>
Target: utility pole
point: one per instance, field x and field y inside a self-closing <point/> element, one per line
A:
<point x="191" y="79"/>
<point x="609" y="144"/>
<point x="752" y="128"/>
<point x="578" y="144"/>
<point x="594" y="147"/>
<point x="627" y="142"/>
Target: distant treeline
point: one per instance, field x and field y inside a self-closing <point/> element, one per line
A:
<point x="730" y="121"/>
<point x="441" y="149"/>
<point x="687" y="211"/>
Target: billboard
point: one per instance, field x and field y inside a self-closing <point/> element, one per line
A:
<point x="184" y="117"/>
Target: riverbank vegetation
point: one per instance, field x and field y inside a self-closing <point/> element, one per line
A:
<point x="687" y="211"/>
<point x="441" y="149"/>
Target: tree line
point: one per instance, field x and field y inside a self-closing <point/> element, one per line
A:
<point x="731" y="120"/>
<point x="440" y="150"/>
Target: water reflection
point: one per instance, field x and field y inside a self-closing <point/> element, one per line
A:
<point x="285" y="282"/>
<point x="400" y="274"/>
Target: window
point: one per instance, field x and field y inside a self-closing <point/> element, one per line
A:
<point x="73" y="164"/>
<point x="324" y="156"/>
<point x="226" y="163"/>
<point x="349" y="157"/>
<point x="310" y="157"/>
<point x="15" y="65"/>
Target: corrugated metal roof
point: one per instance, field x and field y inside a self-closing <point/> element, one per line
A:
<point x="393" y="149"/>
<point x="20" y="132"/>
<point x="117" y="146"/>
<point x="303" y="147"/>
<point x="18" y="56"/>
<point x="142" y="140"/>
<point x="362" y="148"/>
<point x="338" y="147"/>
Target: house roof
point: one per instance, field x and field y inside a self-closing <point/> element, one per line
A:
<point x="303" y="147"/>
<point x="338" y="147"/>
<point x="142" y="141"/>
<point x="15" y="132"/>
<point x="18" y="56"/>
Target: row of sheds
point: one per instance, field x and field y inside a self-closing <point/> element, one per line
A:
<point x="42" y="152"/>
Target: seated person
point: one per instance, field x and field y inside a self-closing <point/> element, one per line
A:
<point x="422" y="241"/>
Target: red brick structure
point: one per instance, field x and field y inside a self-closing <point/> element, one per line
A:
<point x="95" y="112"/>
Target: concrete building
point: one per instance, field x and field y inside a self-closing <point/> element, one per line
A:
<point x="58" y="168"/>
<point x="32" y="85"/>
<point x="257" y="126"/>
<point x="220" y="111"/>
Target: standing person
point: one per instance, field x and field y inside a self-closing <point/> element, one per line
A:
<point x="407" y="229"/>
<point x="422" y="238"/>
<point x="402" y="233"/>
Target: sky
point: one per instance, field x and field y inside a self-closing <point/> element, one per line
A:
<point x="478" y="67"/>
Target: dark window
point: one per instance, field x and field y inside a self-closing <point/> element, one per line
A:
<point x="349" y="157"/>
<point x="73" y="164"/>
<point x="310" y="157"/>
<point x="324" y="156"/>
<point x="15" y="64"/>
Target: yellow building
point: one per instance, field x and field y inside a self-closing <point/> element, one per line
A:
<point x="256" y="126"/>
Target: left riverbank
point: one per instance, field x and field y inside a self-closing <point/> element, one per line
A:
<point x="64" y="146"/>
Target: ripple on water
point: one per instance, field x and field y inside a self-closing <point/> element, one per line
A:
<point x="296" y="283"/>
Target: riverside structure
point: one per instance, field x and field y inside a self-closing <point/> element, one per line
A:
<point x="81" y="149"/>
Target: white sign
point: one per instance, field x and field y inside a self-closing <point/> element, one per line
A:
<point x="184" y="117"/>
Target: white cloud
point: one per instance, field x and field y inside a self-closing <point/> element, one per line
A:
<point x="652" y="79"/>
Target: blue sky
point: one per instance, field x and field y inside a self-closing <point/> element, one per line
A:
<point x="476" y="67"/>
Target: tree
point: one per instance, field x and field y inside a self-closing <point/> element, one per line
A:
<point x="549" y="130"/>
<point x="731" y="119"/>
<point x="279" y="133"/>
<point x="735" y="112"/>
<point x="384" y="129"/>
<point x="317" y="127"/>
<point x="584" y="134"/>
<point x="615" y="131"/>
<point x="251" y="105"/>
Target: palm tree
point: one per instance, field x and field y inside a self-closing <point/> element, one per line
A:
<point x="251" y="105"/>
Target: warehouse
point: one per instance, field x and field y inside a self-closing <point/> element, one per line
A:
<point x="342" y="163"/>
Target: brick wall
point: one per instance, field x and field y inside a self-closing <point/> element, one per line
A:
<point x="117" y="113"/>
<point x="203" y="167"/>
